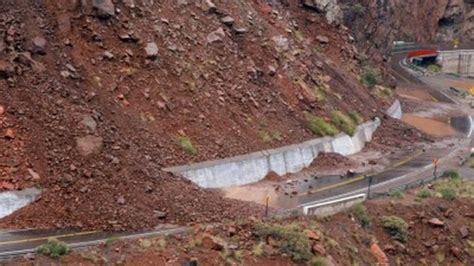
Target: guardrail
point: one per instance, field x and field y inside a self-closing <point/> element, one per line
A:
<point x="330" y="207"/>
<point x="404" y="187"/>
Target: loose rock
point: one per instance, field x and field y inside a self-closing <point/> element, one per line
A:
<point x="89" y="145"/>
<point x="216" y="36"/>
<point x="104" y="8"/>
<point x="228" y="20"/>
<point x="9" y="133"/>
<point x="38" y="45"/>
<point x="6" y="69"/>
<point x="436" y="222"/>
<point x="151" y="50"/>
<point x="322" y="39"/>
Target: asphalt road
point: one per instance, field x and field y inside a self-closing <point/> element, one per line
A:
<point x="15" y="243"/>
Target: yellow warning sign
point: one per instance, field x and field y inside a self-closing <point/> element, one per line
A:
<point x="471" y="91"/>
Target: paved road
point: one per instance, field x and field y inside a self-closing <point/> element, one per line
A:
<point x="14" y="243"/>
<point x="412" y="168"/>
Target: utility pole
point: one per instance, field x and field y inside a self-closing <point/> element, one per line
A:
<point x="371" y="179"/>
<point x="266" y="206"/>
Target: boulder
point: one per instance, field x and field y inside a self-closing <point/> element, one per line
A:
<point x="379" y="255"/>
<point x="208" y="6"/>
<point x="38" y="45"/>
<point x="151" y="50"/>
<point x="104" y="8"/>
<point x="228" y="20"/>
<point x="6" y="69"/>
<point x="436" y="222"/>
<point x="89" y="145"/>
<point x="322" y="39"/>
<point x="216" y="36"/>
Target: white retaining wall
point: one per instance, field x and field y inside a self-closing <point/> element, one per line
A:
<point x="395" y="111"/>
<point x="253" y="167"/>
<point x="11" y="201"/>
<point x="457" y="62"/>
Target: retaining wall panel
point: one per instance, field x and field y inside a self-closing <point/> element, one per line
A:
<point x="253" y="167"/>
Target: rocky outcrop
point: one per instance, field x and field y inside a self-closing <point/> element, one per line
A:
<point x="330" y="8"/>
<point x="378" y="23"/>
<point x="457" y="21"/>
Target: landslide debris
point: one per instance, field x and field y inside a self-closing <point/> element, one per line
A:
<point x="434" y="232"/>
<point x="95" y="95"/>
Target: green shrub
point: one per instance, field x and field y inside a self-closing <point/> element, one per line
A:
<point x="292" y="239"/>
<point x="433" y="68"/>
<point x="360" y="213"/>
<point x="371" y="77"/>
<point x="472" y="165"/>
<point x="319" y="261"/>
<point x="396" y="195"/>
<point x="396" y="227"/>
<point x="319" y="127"/>
<point x="53" y="248"/>
<point x="185" y="143"/>
<point x="423" y="193"/>
<point x="453" y="174"/>
<point x="356" y="117"/>
<point x="448" y="193"/>
<point x="359" y="9"/>
<point x="343" y="122"/>
<point x="258" y="250"/>
<point x="265" y="136"/>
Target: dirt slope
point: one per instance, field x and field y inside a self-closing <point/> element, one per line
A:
<point x="96" y="95"/>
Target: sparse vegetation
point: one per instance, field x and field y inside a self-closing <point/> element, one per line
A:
<point x="371" y="77"/>
<point x="448" y="193"/>
<point x="319" y="127"/>
<point x="453" y="174"/>
<point x="319" y="261"/>
<point x="423" y="193"/>
<point x="343" y="122"/>
<point x="320" y="94"/>
<point x="53" y="248"/>
<point x="397" y="195"/>
<point x="396" y="227"/>
<point x="451" y="189"/>
<point x="292" y="239"/>
<point x="359" y="9"/>
<point x="360" y="213"/>
<point x="268" y="137"/>
<point x="257" y="250"/>
<point x="185" y="143"/>
<point x="433" y="68"/>
<point x="356" y="117"/>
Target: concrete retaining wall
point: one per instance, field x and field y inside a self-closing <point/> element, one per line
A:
<point x="253" y="167"/>
<point x="395" y="111"/>
<point x="459" y="62"/>
<point x="11" y="201"/>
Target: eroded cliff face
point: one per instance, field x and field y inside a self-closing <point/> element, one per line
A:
<point x="457" y="21"/>
<point x="377" y="23"/>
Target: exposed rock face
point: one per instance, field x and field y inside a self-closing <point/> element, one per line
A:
<point x="457" y="21"/>
<point x="330" y="8"/>
<point x="378" y="23"/>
